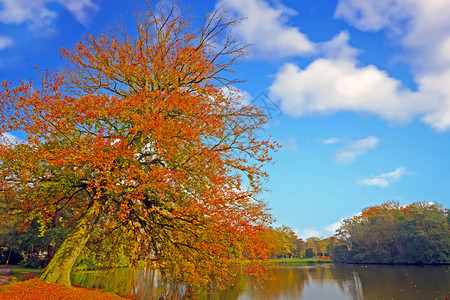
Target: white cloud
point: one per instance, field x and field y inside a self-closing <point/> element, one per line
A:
<point x="266" y="28"/>
<point x="332" y="140"/>
<point x="38" y="16"/>
<point x="332" y="85"/>
<point x="81" y="9"/>
<point x="307" y="233"/>
<point x="326" y="231"/>
<point x="243" y="97"/>
<point x="384" y="179"/>
<point x="338" y="47"/>
<point x="353" y="149"/>
<point x="289" y="144"/>
<point x="8" y="138"/>
<point x="434" y="91"/>
<point x="369" y="15"/>
<point x="422" y="27"/>
<point x="5" y="42"/>
<point x="337" y="82"/>
<point x="331" y="229"/>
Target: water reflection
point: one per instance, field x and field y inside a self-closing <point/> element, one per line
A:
<point x="300" y="282"/>
<point x="143" y="283"/>
<point x="328" y="281"/>
<point x="404" y="282"/>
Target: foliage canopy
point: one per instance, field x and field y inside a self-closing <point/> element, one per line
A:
<point x="137" y="132"/>
<point x="390" y="233"/>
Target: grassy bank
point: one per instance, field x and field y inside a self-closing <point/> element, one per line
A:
<point x="299" y="260"/>
<point x="22" y="274"/>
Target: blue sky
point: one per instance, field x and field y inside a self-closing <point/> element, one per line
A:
<point x="358" y="90"/>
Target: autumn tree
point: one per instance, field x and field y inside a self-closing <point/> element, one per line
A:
<point x="391" y="233"/>
<point x="309" y="252"/>
<point x="285" y="241"/>
<point x="138" y="132"/>
<point x="327" y="244"/>
<point x="300" y="247"/>
<point x="314" y="243"/>
<point x="9" y="252"/>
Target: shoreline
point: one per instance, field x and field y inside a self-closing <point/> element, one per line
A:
<point x="329" y="261"/>
<point x="6" y="275"/>
<point x="300" y="260"/>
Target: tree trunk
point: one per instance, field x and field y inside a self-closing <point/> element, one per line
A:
<point x="9" y="255"/>
<point x="59" y="268"/>
<point x="51" y="249"/>
<point x="52" y="245"/>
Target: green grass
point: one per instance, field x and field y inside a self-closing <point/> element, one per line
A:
<point x="299" y="260"/>
<point x="22" y="274"/>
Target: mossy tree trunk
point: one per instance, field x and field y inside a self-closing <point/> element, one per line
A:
<point x="59" y="268"/>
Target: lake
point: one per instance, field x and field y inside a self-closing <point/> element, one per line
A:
<point x="305" y="282"/>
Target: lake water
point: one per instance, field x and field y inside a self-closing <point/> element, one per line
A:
<point x="313" y="282"/>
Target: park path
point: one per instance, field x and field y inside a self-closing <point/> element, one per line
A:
<point x="5" y="275"/>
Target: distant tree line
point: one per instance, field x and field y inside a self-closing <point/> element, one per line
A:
<point x="390" y="233"/>
<point x="286" y="244"/>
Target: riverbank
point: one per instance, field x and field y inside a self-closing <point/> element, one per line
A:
<point x="23" y="274"/>
<point x="5" y="275"/>
<point x="22" y="283"/>
<point x="299" y="260"/>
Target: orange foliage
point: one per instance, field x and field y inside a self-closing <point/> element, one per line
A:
<point x="36" y="289"/>
<point x="140" y="128"/>
<point x="368" y="212"/>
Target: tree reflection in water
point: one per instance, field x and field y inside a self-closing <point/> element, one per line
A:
<point x="327" y="281"/>
<point x="301" y="282"/>
<point x="143" y="283"/>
